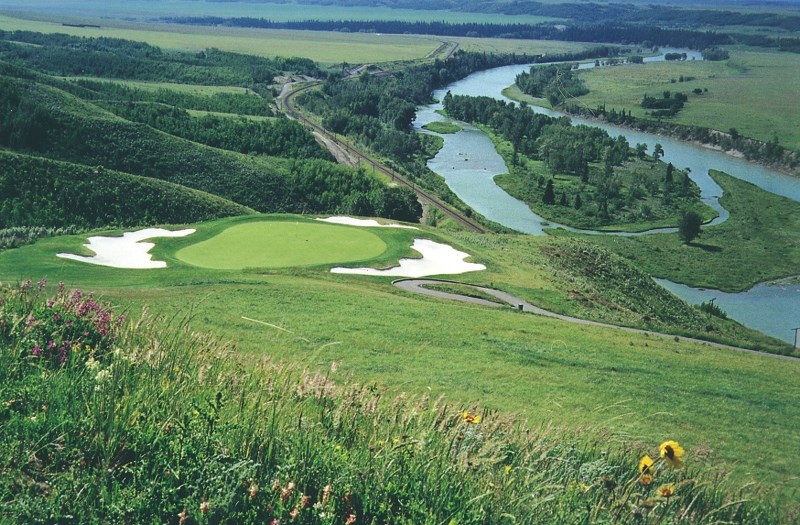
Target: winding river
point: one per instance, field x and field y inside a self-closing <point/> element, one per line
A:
<point x="468" y="162"/>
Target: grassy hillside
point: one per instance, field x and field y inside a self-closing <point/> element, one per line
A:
<point x="127" y="427"/>
<point x="49" y="122"/>
<point x="41" y="192"/>
<point x="641" y="388"/>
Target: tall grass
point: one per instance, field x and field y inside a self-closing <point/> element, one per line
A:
<point x="145" y="422"/>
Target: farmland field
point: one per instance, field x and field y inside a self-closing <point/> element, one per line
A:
<point x="751" y="92"/>
<point x="146" y="10"/>
<point x="330" y="48"/>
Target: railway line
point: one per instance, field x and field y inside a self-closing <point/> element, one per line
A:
<point x="286" y="102"/>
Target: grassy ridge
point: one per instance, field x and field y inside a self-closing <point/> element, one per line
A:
<point x="759" y="242"/>
<point x="36" y="191"/>
<point x="126" y="427"/>
<point x="547" y="370"/>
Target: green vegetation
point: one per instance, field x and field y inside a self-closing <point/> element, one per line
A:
<point x="759" y="242"/>
<point x="556" y="83"/>
<point x="328" y="48"/>
<point x="36" y="191"/>
<point x="551" y="370"/>
<point x="49" y="122"/>
<point x="579" y="175"/>
<point x="443" y="128"/>
<point x="749" y="92"/>
<point x="466" y="290"/>
<point x="119" y="425"/>
<point x="270" y="244"/>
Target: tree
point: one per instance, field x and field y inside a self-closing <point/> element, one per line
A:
<point x="689" y="225"/>
<point x="549" y="196"/>
<point x="658" y="152"/>
<point x="641" y="150"/>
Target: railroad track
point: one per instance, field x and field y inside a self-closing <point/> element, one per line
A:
<point x="286" y="101"/>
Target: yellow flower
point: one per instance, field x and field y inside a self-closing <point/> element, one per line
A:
<point x="672" y="452"/>
<point x="646" y="465"/>
<point x="648" y="503"/>
<point x="471" y="419"/>
<point x="507" y="468"/>
<point x="666" y="490"/>
<point x="645" y="479"/>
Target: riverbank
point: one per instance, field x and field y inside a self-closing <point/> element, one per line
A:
<point x="760" y="242"/>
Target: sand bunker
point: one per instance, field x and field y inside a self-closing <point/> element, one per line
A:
<point x="350" y="221"/>
<point x="126" y="251"/>
<point x="437" y="259"/>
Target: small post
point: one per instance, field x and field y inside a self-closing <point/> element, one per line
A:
<point x="711" y="306"/>
<point x="520" y="307"/>
<point x="795" y="336"/>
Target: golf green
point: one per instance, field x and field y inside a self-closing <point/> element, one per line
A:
<point x="275" y="244"/>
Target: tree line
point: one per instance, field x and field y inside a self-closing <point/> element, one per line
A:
<point x="65" y="55"/>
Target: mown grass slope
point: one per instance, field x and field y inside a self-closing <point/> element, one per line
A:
<point x="113" y="424"/>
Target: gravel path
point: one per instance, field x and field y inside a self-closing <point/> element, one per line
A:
<point x="418" y="286"/>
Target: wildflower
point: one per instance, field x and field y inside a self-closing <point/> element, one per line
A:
<point x="472" y="419"/>
<point x="326" y="493"/>
<point x="275" y="484"/>
<point x="286" y="492"/>
<point x="36" y="351"/>
<point x="666" y="490"/>
<point x="672" y="452"/>
<point x="304" y="501"/>
<point x="253" y="490"/>
<point x="275" y="521"/>
<point x="507" y="469"/>
<point x="350" y="519"/>
<point x="182" y="517"/>
<point x="294" y="513"/>
<point x="648" y="503"/>
<point x="646" y="465"/>
<point x="645" y="479"/>
<point x="205" y="506"/>
<point x="92" y="365"/>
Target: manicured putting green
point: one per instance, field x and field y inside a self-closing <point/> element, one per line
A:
<point x="275" y="244"/>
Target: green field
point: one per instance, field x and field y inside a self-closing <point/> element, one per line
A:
<point x="269" y="244"/>
<point x="325" y="47"/>
<point x="144" y="10"/>
<point x="641" y="388"/>
<point x="754" y="91"/>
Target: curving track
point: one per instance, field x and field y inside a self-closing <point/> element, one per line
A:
<point x="418" y="286"/>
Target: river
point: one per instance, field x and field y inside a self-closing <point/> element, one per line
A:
<point x="468" y="162"/>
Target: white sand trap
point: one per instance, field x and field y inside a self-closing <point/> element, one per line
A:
<point x="126" y="251"/>
<point x="437" y="259"/>
<point x="351" y="221"/>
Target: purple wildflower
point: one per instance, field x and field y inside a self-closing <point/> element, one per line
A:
<point x="36" y="351"/>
